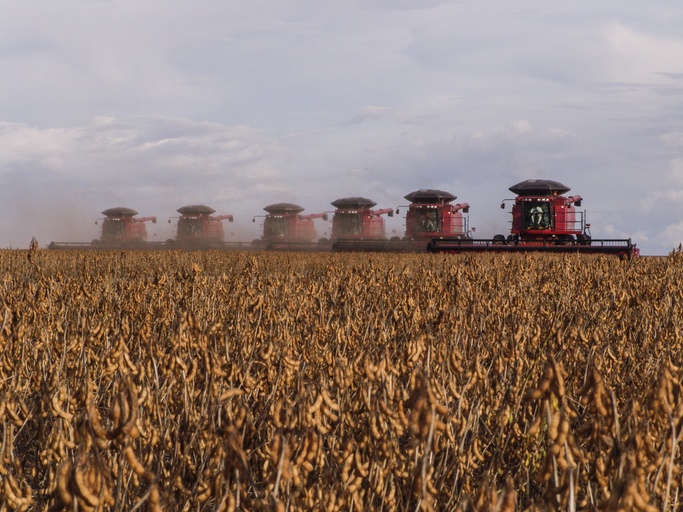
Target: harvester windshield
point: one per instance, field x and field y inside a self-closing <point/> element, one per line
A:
<point x="274" y="227"/>
<point x="537" y="215"/>
<point x="426" y="220"/>
<point x="113" y="229"/>
<point x="347" y="224"/>
<point x="189" y="227"/>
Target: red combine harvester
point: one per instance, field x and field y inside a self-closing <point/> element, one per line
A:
<point x="285" y="229"/>
<point x="354" y="219"/>
<point x="355" y="226"/>
<point x="120" y="229"/>
<point x="543" y="220"/>
<point x="430" y="215"/>
<point x="197" y="229"/>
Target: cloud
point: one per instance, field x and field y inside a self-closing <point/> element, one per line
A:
<point x="400" y="4"/>
<point x="642" y="57"/>
<point x="676" y="171"/>
<point x="370" y="113"/>
<point x="672" y="236"/>
<point x="159" y="147"/>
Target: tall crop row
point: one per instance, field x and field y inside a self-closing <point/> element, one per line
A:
<point x="225" y="380"/>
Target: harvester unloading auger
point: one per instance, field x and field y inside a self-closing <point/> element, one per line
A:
<point x="543" y="220"/>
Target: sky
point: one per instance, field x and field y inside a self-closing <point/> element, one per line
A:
<point x="237" y="104"/>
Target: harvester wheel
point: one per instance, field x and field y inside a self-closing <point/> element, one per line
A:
<point x="583" y="239"/>
<point x="499" y="239"/>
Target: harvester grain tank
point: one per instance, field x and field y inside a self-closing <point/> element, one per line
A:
<point x="120" y="229"/>
<point x="543" y="220"/>
<point x="285" y="228"/>
<point x="198" y="228"/>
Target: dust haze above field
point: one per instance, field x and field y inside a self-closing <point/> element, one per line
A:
<point x="237" y="105"/>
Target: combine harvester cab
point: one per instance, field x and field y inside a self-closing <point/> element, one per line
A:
<point x="543" y="220"/>
<point x="198" y="229"/>
<point x="357" y="227"/>
<point x="284" y="228"/>
<point x="120" y="230"/>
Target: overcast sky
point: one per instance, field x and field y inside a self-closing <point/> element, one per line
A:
<point x="155" y="104"/>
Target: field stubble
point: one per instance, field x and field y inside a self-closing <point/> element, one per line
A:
<point x="217" y="381"/>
